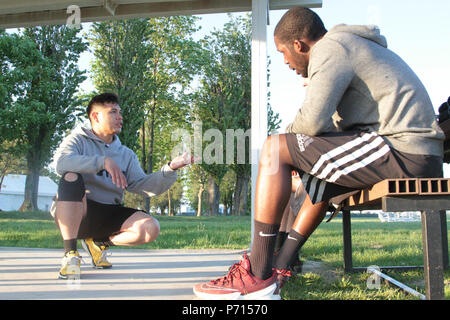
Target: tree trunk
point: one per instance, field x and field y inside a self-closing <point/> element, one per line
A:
<point x="242" y="210"/>
<point x="145" y="199"/>
<point x="150" y="152"/>
<point x="169" y="199"/>
<point x="237" y="195"/>
<point x="240" y="201"/>
<point x="31" y="191"/>
<point x="1" y="180"/>
<point x="213" y="197"/>
<point x="200" y="196"/>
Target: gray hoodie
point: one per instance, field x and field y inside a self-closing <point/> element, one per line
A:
<point x="356" y="83"/>
<point x="83" y="152"/>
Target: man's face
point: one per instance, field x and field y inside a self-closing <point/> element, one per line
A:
<point x="108" y="118"/>
<point x="294" y="57"/>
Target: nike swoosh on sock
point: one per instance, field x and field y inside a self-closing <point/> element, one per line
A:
<point x="261" y="234"/>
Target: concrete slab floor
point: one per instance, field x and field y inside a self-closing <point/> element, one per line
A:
<point x="137" y="274"/>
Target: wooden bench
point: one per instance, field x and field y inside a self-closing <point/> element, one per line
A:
<point x="430" y="196"/>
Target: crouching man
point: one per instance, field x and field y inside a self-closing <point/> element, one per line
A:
<point x="95" y="170"/>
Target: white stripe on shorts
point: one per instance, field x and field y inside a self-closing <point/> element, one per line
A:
<point x="341" y="149"/>
<point x="335" y="163"/>
<point x="350" y="157"/>
<point x="364" y="162"/>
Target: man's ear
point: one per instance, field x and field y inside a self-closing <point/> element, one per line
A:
<point x="298" y="46"/>
<point x="95" y="116"/>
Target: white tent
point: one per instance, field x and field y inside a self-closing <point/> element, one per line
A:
<point x="13" y="188"/>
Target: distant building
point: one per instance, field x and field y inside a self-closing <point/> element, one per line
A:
<point x="13" y="189"/>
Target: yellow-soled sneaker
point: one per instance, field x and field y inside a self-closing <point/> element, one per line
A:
<point x="97" y="253"/>
<point x="70" y="266"/>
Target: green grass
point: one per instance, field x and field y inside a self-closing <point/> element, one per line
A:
<point x="202" y="233"/>
<point x="28" y="229"/>
<point x="374" y="243"/>
<point x="38" y="230"/>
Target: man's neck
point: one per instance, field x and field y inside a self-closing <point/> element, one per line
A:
<point x="107" y="138"/>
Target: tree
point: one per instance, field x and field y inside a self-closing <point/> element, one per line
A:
<point x="11" y="159"/>
<point x="227" y="191"/>
<point x="196" y="182"/>
<point x="170" y="200"/>
<point x="18" y="64"/>
<point x="224" y="103"/>
<point x="122" y="51"/>
<point x="40" y="107"/>
<point x="171" y="69"/>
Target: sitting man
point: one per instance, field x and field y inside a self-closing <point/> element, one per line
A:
<point x="96" y="169"/>
<point x="366" y="117"/>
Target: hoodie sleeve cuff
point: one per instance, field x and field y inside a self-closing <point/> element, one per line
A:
<point x="168" y="171"/>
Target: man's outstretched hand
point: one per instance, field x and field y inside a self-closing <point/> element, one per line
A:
<point x="182" y="161"/>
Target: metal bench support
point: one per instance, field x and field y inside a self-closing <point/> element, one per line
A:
<point x="347" y="234"/>
<point x="435" y="249"/>
<point x="432" y="254"/>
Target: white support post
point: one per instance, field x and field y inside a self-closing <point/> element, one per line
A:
<point x="260" y="14"/>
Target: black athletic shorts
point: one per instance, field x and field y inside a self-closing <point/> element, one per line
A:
<point x="103" y="220"/>
<point x="333" y="166"/>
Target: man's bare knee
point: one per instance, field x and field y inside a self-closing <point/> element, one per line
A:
<point x="275" y="153"/>
<point x="270" y="153"/>
<point x="149" y="229"/>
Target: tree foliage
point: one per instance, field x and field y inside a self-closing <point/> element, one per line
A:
<point x="223" y="102"/>
<point x="39" y="79"/>
<point x="121" y="53"/>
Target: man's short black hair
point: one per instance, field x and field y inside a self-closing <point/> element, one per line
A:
<point x="299" y="23"/>
<point x="103" y="98"/>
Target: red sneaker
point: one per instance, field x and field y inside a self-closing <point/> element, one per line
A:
<point x="282" y="276"/>
<point x="239" y="283"/>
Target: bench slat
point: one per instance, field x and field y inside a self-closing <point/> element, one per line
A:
<point x="401" y="187"/>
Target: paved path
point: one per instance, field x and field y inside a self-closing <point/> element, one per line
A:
<point x="136" y="274"/>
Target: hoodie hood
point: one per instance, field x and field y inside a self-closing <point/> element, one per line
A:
<point x="91" y="135"/>
<point x="369" y="32"/>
